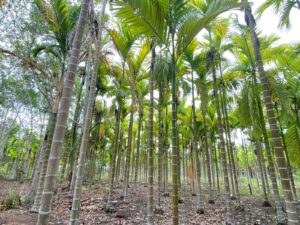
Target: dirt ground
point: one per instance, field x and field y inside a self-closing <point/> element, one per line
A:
<point x="133" y="211"/>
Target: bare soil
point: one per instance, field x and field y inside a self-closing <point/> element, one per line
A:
<point x="133" y="211"/>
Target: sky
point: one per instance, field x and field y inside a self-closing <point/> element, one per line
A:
<point x="268" y="24"/>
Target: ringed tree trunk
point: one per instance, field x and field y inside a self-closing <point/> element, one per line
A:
<point x="63" y="113"/>
<point x="160" y="143"/>
<point x="275" y="134"/>
<point x="112" y="169"/>
<point x="261" y="168"/>
<point x="175" y="216"/>
<point x="74" y="219"/>
<point x="166" y="147"/>
<point x="229" y="218"/>
<point x="150" y="204"/>
<point x="74" y="129"/>
<point x="208" y="163"/>
<point x="271" y="168"/>
<point x="129" y="144"/>
<point x="230" y="145"/>
<point x="37" y="198"/>
<point x="200" y="205"/>
<point x="137" y="161"/>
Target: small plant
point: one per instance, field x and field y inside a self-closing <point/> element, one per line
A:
<point x="12" y="200"/>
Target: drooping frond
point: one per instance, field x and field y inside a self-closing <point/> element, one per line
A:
<point x="145" y="17"/>
<point x="293" y="143"/>
<point x="205" y="12"/>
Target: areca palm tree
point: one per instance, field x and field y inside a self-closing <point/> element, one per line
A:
<point x="285" y="180"/>
<point x="90" y="98"/>
<point x="250" y="99"/>
<point x="166" y="20"/>
<point x="197" y="64"/>
<point x="62" y="117"/>
<point x="123" y="41"/>
<point x="135" y="65"/>
<point x="217" y="37"/>
<point x="61" y="20"/>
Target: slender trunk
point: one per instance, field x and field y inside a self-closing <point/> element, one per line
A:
<point x="37" y="172"/>
<point x="160" y="143"/>
<point x="229" y="218"/>
<point x="120" y="160"/>
<point x="271" y="168"/>
<point x="73" y="152"/>
<point x="74" y="167"/>
<point x="129" y="143"/>
<point x="150" y="204"/>
<point x="137" y="161"/>
<point x="178" y="158"/>
<point x="166" y="147"/>
<point x="200" y="205"/>
<point x="112" y="170"/>
<point x="62" y="118"/>
<point x="287" y="153"/>
<point x="37" y="199"/>
<point x="74" y="219"/>
<point x="76" y="142"/>
<point x="260" y="164"/>
<point x="232" y="164"/>
<point x="275" y="134"/>
<point x="175" y="216"/>
<point x="102" y="149"/>
<point x="245" y="155"/>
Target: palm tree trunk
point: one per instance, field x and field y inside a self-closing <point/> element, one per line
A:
<point x="166" y="147"/>
<point x="129" y="143"/>
<point x="112" y="169"/>
<point x="283" y="170"/>
<point x="119" y="153"/>
<point x="160" y="144"/>
<point x="208" y="163"/>
<point x="175" y="216"/>
<point x="73" y="152"/>
<point x="137" y="161"/>
<point x="62" y="118"/>
<point x="49" y="135"/>
<point x="229" y="218"/>
<point x="272" y="171"/>
<point x="74" y="219"/>
<point x="260" y="164"/>
<point x="150" y="205"/>
<point x="37" y="171"/>
<point x="287" y="154"/>
<point x="200" y="206"/>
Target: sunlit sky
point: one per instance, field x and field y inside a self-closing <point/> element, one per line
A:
<point x="268" y="24"/>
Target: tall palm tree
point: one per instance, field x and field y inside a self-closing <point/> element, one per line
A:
<point x="150" y="205"/>
<point x="169" y="21"/>
<point x="211" y="58"/>
<point x="62" y="117"/>
<point x="123" y="41"/>
<point x="74" y="219"/>
<point x="135" y="65"/>
<point x="61" y="20"/>
<point x="284" y="175"/>
<point x="250" y="98"/>
<point x="141" y="92"/>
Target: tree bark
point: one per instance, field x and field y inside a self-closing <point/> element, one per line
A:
<point x="229" y="218"/>
<point x="50" y="130"/>
<point x="275" y="134"/>
<point x="74" y="219"/>
<point x="150" y="204"/>
<point x="63" y="113"/>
